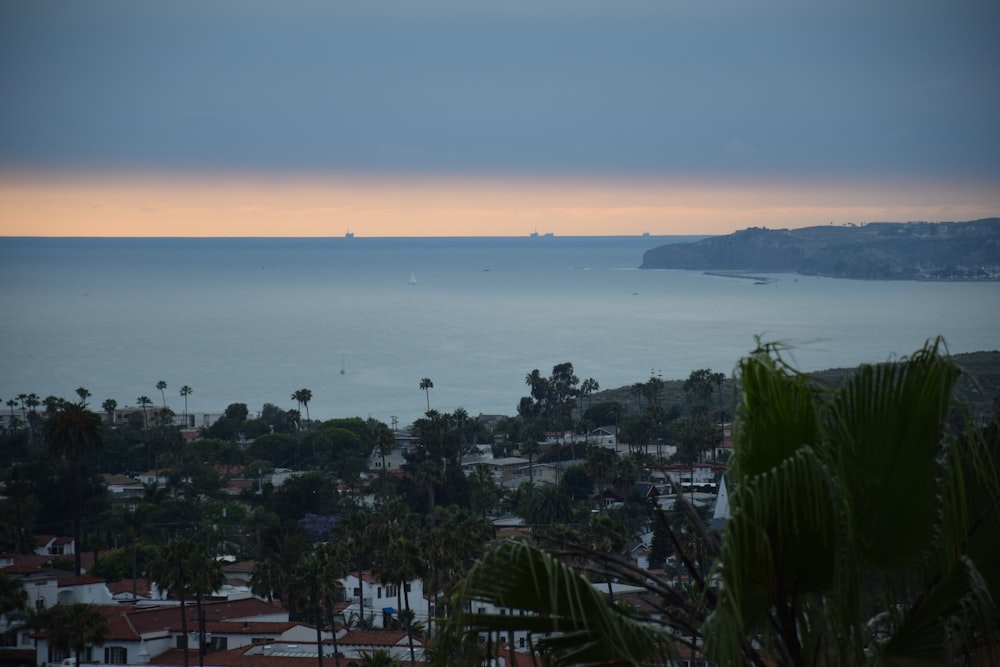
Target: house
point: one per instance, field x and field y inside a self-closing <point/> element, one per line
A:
<point x="138" y="635"/>
<point x="503" y="469"/>
<point x="490" y="422"/>
<point x="238" y="573"/>
<point x="369" y="598"/>
<point x="45" y="590"/>
<point x="122" y="590"/>
<point x="123" y="487"/>
<point x="394" y="459"/>
<point x="604" y="436"/>
<point x="352" y="646"/>
<point x="357" y="643"/>
<point x="54" y="545"/>
<point x="160" y="477"/>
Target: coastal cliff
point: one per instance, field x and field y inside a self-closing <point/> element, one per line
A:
<point x="873" y="251"/>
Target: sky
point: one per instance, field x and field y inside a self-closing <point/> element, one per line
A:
<point x="474" y="118"/>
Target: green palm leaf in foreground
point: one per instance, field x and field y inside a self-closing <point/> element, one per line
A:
<point x="864" y="529"/>
<point x="585" y="628"/>
<point x="858" y="514"/>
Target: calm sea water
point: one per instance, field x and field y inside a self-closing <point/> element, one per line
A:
<point x="252" y="320"/>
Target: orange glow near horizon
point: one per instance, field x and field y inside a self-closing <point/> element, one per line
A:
<point x="325" y="205"/>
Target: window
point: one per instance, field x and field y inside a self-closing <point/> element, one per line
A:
<point x="521" y="642"/>
<point x="379" y="592"/>
<point x="116" y="655"/>
<point x="262" y="640"/>
<point x="57" y="655"/>
<point x="390" y="591"/>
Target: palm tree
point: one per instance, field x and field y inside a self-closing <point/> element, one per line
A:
<point x="29" y="618"/>
<point x="13" y="597"/>
<point x="601" y="464"/>
<point x="109" y="406"/>
<point x="317" y="576"/>
<point x="607" y="537"/>
<point x="455" y="540"/>
<point x="185" y="392"/>
<point x="384" y="440"/>
<point x="573" y="621"/>
<point x="206" y="578"/>
<point x="11" y="403"/>
<point x="32" y="401"/>
<point x="402" y="562"/>
<point x="162" y="385"/>
<point x="587" y="388"/>
<point x="174" y="571"/>
<point x="870" y="509"/>
<point x="73" y="433"/>
<point x="545" y="505"/>
<point x="426" y="385"/>
<point x="267" y="578"/>
<point x="134" y="522"/>
<point x="143" y="402"/>
<point x="84" y="394"/>
<point x="71" y="627"/>
<point x="302" y="397"/>
<point x="864" y="527"/>
<point x="531" y="448"/>
<point x="377" y="658"/>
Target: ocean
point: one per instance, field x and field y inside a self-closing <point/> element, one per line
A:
<point x="253" y="320"/>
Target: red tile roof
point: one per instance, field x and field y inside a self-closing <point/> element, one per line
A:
<point x="121" y="480"/>
<point x="79" y="581"/>
<point x="239" y="566"/>
<point x="250" y="627"/>
<point x="125" y="586"/>
<point x="119" y="626"/>
<point x="169" y="617"/>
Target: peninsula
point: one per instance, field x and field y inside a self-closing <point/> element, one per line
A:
<point x="873" y="251"/>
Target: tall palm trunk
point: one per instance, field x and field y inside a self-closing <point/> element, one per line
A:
<point x="409" y="623"/>
<point x="135" y="567"/>
<point x="333" y="631"/>
<point x="184" y="627"/>
<point x="201" y="629"/>
<point x="77" y="472"/>
<point x="319" y="635"/>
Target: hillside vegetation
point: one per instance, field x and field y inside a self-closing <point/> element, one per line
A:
<point x="873" y="251"/>
<point x="979" y="390"/>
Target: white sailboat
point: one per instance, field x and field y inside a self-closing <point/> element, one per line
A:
<point x="413" y="279"/>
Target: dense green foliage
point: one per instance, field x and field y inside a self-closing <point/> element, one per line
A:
<point x="865" y="525"/>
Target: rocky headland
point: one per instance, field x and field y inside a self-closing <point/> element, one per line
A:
<point x="873" y="251"/>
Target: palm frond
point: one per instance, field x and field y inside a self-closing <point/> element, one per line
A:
<point x="940" y="623"/>
<point x="885" y="428"/>
<point x="571" y="621"/>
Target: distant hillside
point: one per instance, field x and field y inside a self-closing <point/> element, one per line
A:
<point x="874" y="251"/>
<point x="979" y="390"/>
